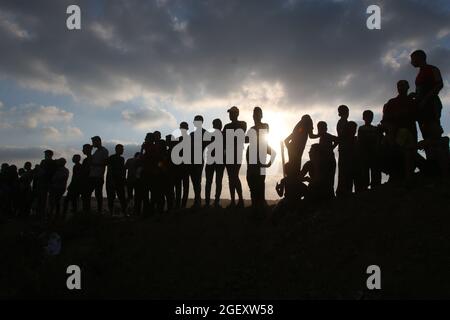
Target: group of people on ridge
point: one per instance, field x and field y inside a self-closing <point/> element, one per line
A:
<point x="152" y="181"/>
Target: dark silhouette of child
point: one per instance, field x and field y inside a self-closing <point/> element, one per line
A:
<point x="369" y="141"/>
<point x="115" y="180"/>
<point x="216" y="167"/>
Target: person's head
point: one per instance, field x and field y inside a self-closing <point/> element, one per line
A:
<point x="87" y="149"/>
<point x="96" y="142"/>
<point x="322" y="127"/>
<point x="149" y="137"/>
<point x="76" y="158"/>
<point x="418" y="58"/>
<point x="198" y="121"/>
<point x="61" y="162"/>
<point x="306" y="122"/>
<point x="137" y="154"/>
<point x="217" y="124"/>
<point x="169" y="139"/>
<point x="257" y="114"/>
<point x="48" y="154"/>
<point x="184" y="126"/>
<point x="343" y="111"/>
<point x="119" y="149"/>
<point x="27" y="166"/>
<point x="233" y="113"/>
<point x="368" y="117"/>
<point x="402" y="87"/>
<point x="12" y="169"/>
<point x="314" y="152"/>
<point x="4" y="167"/>
<point x="352" y="127"/>
<point x="157" y="135"/>
<point x="21" y="172"/>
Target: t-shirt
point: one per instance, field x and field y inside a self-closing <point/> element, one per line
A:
<point x="116" y="168"/>
<point x="237" y="145"/>
<point x="98" y="163"/>
<point x="400" y="112"/>
<point x="369" y="138"/>
<point x="427" y="78"/>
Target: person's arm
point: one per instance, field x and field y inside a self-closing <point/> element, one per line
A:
<point x="287" y="140"/>
<point x="304" y="171"/>
<point x="335" y="141"/>
<point x="437" y="87"/>
<point x="280" y="188"/>
<point x="272" y="154"/>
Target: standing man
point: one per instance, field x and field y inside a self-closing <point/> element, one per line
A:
<point x="344" y="164"/>
<point x="234" y="129"/>
<point x="216" y="167"/>
<point x="115" y="180"/>
<point x="198" y="146"/>
<point x="428" y="85"/>
<point x="97" y="171"/>
<point x="257" y="138"/>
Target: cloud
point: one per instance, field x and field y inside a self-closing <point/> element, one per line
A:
<point x="193" y="52"/>
<point x="147" y="118"/>
<point x="16" y="154"/>
<point x="49" y="121"/>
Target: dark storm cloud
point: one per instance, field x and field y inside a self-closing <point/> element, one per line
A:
<point x="319" y="51"/>
<point x="8" y="153"/>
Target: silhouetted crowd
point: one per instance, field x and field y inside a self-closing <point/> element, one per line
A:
<point x="152" y="182"/>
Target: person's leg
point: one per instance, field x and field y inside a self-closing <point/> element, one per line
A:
<point x="219" y="177"/>
<point x="170" y="194"/>
<point x="177" y="186"/>
<point x="110" y="195"/>
<point x="99" y="194"/>
<point x="120" y="190"/>
<point x="365" y="173"/>
<point x="340" y="191"/>
<point x="231" y="183"/>
<point x="209" y="173"/>
<point x="238" y="185"/>
<point x="196" y="178"/>
<point x="185" y="182"/>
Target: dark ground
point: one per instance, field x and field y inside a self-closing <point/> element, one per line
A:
<point x="322" y="253"/>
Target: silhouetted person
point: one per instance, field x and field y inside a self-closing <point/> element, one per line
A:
<point x="341" y="129"/>
<point x="74" y="190"/>
<point x="369" y="141"/>
<point x="428" y="85"/>
<point x="256" y="171"/>
<point x="169" y="173"/>
<point x="26" y="176"/>
<point x="399" y="124"/>
<point x="182" y="173"/>
<point x="149" y="162"/>
<point x="327" y="144"/>
<point x="291" y="187"/>
<point x="85" y="178"/>
<point x="296" y="142"/>
<point x="97" y="171"/>
<point x="58" y="187"/>
<point x="349" y="169"/>
<point x="234" y="167"/>
<point x="131" y="166"/>
<point x="3" y="188"/>
<point x="214" y="167"/>
<point x="115" y="180"/>
<point x="315" y="173"/>
<point x="47" y="170"/>
<point x="196" y="169"/>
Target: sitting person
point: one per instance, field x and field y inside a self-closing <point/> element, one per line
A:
<point x="291" y="187"/>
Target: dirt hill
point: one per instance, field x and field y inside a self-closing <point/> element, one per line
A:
<point x="318" y="253"/>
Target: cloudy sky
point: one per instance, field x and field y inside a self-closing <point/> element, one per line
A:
<point x="136" y="66"/>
